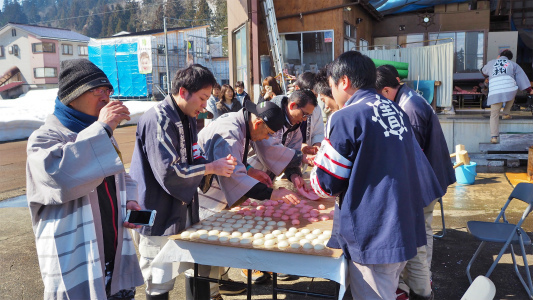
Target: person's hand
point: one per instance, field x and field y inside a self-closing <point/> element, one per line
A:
<point x="309" y="150"/>
<point x="309" y="159"/>
<point x="286" y="195"/>
<point x="222" y="166"/>
<point x="297" y="180"/>
<point x="260" y="176"/>
<point x="132" y="205"/>
<point x="269" y="95"/>
<point x="307" y="187"/>
<point x="113" y="113"/>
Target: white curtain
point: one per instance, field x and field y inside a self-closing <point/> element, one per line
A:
<point x="429" y="62"/>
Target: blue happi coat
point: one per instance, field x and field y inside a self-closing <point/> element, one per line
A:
<point x="371" y="160"/>
<point x="428" y="133"/>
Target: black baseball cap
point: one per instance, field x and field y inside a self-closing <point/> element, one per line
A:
<point x="269" y="112"/>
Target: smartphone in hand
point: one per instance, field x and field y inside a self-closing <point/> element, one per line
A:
<point x="141" y="217"/>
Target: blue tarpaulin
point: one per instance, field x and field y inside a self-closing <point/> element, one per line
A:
<point x="120" y="63"/>
<point x="400" y="6"/>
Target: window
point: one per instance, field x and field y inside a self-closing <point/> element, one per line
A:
<point x="43" y="47"/>
<point x="363" y="44"/>
<point x="241" y="54"/>
<point x="199" y="52"/>
<point x="411" y="40"/>
<point x="13" y="32"/>
<point x="83" y="50"/>
<point x="350" y="31"/>
<point x="160" y="49"/>
<point x="306" y="51"/>
<point x="350" y="37"/>
<point x="13" y="50"/>
<point x="163" y="81"/>
<point x="2" y="51"/>
<point x="44" y="72"/>
<point x="386" y="42"/>
<point x="468" y="49"/>
<point x="67" y="49"/>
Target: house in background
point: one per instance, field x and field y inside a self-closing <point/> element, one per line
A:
<point x="118" y="56"/>
<point x="219" y="61"/>
<point x="30" y="56"/>
<point x="312" y="34"/>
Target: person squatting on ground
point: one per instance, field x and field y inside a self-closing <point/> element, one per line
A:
<point x="78" y="192"/>
<point x="371" y="160"/>
<point x="416" y="276"/>
<point x="505" y="79"/>
<point x="169" y="166"/>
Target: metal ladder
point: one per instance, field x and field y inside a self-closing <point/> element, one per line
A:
<point x="274" y="41"/>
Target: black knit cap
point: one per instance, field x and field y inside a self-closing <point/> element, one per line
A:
<point x="269" y="112"/>
<point x="77" y="76"/>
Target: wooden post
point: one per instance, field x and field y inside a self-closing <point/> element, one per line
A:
<point x="463" y="157"/>
<point x="458" y="149"/>
<point x="530" y="163"/>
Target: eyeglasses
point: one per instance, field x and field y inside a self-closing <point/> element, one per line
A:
<point x="102" y="91"/>
<point x="304" y="115"/>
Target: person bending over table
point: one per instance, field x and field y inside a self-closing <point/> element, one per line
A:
<point x="313" y="127"/>
<point x="415" y="280"/>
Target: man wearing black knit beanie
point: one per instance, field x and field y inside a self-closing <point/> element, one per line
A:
<point x="78" y="192"/>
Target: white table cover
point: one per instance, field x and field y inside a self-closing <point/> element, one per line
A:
<point x="178" y="256"/>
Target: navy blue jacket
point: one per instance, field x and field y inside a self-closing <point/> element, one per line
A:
<point x="428" y="133"/>
<point x="371" y="160"/>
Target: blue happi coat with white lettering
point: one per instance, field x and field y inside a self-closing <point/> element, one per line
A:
<point x="428" y="133"/>
<point x="371" y="160"/>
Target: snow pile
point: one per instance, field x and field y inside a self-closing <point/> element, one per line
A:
<point x="20" y="117"/>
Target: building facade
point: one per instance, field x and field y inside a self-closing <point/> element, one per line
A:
<point x="185" y="46"/>
<point x="312" y="34"/>
<point x="30" y="56"/>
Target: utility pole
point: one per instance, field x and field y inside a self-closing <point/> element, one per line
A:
<point x="166" y="54"/>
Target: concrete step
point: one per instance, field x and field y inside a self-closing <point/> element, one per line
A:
<point x="512" y="142"/>
<point x="504" y="156"/>
<point x="498" y="160"/>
